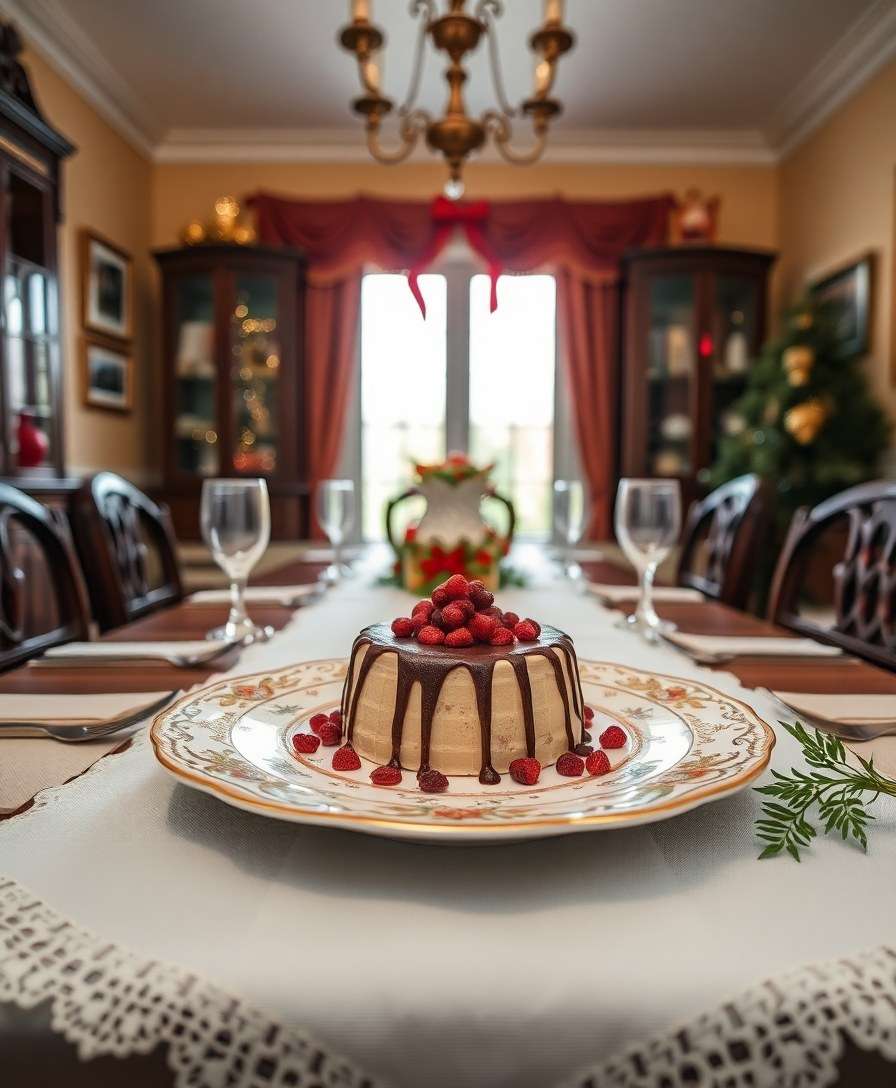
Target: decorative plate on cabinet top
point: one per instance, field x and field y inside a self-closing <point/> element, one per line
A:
<point x="686" y="744"/>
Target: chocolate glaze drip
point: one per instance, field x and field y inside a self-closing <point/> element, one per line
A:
<point x="430" y="665"/>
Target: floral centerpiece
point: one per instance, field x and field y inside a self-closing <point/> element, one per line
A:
<point x="452" y="537"/>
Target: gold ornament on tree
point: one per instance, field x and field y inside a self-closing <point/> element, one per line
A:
<point x="798" y="362"/>
<point x="804" y="421"/>
<point x="224" y="226"/>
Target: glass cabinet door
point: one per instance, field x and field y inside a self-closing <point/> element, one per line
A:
<point x="255" y="352"/>
<point x="196" y="430"/>
<point x="735" y="334"/>
<point x="671" y="374"/>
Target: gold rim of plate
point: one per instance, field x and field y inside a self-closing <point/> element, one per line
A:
<point x="683" y="803"/>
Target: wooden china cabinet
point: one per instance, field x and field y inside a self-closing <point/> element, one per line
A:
<point x="31" y="156"/>
<point x="233" y="377"/>
<point x="694" y="319"/>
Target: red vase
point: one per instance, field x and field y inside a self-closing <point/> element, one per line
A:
<point x="33" y="443"/>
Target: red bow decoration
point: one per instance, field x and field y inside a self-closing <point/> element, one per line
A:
<point x="446" y="215"/>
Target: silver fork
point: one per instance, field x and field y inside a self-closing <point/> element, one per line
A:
<point x="74" y="734"/>
<point x="856" y="731"/>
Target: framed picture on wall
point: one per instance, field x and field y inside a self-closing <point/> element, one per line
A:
<point x="848" y="290"/>
<point x="107" y="277"/>
<point x="107" y="375"/>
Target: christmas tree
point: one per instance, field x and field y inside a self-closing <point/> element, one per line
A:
<point x="807" y="422"/>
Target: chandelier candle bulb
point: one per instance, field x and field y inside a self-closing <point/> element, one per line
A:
<point x="553" y="11"/>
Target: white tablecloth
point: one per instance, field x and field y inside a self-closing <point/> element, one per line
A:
<point x="512" y="965"/>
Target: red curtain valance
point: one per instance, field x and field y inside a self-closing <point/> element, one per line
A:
<point x="582" y="241"/>
<point x="340" y="235"/>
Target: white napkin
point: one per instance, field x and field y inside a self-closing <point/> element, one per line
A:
<point x="30" y="765"/>
<point x="128" y="652"/>
<point x="72" y="709"/>
<point x="615" y="594"/>
<point x="288" y="596"/>
<point x="860" y="709"/>
<point x="746" y="645"/>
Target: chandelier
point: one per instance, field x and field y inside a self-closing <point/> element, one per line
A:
<point x="455" y="134"/>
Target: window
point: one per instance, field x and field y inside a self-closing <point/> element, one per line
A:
<point x="462" y="379"/>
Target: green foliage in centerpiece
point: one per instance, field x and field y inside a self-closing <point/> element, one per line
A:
<point x="839" y="791"/>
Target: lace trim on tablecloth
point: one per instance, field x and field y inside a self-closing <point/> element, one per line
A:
<point x="786" y="1033"/>
<point x="108" y="1001"/>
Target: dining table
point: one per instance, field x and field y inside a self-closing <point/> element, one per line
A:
<point x="151" y="934"/>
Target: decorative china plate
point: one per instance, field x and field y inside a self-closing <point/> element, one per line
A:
<point x="687" y="744"/>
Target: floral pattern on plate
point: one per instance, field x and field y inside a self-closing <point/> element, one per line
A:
<point x="687" y="744"/>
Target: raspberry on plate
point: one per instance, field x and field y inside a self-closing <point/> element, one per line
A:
<point x="330" y="734"/>
<point x="403" y="627"/>
<point x="336" y="717"/>
<point x="306" y="743"/>
<point x="317" y="721"/>
<point x="439" y="597"/>
<point x="481" y="597"/>
<point x="432" y="781"/>
<point x="430" y="636"/>
<point x="525" y="771"/>
<point x="453" y="616"/>
<point x="613" y="737"/>
<point x="511" y="619"/>
<point x="589" y="713"/>
<point x="346" y="759"/>
<point x="425" y="607"/>
<point x="385" y="776"/>
<point x="570" y="765"/>
<point x="598" y="763"/>
<point x="459" y="638"/>
<point x="503" y="636"/>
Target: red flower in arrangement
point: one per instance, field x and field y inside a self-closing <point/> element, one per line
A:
<point x="483" y="557"/>
<point x="439" y="561"/>
<point x="410" y="534"/>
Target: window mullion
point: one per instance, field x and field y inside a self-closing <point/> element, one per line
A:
<point x="457" y="375"/>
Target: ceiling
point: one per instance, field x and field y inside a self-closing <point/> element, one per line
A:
<point x="186" y="72"/>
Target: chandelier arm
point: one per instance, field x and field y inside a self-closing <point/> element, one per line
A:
<point x="428" y="8"/>
<point x="487" y="11"/>
<point x="499" y="127"/>
<point x="412" y="126"/>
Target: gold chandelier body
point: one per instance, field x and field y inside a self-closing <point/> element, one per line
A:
<point x="456" y="135"/>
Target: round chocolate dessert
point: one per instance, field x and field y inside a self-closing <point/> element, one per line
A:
<point x="462" y="710"/>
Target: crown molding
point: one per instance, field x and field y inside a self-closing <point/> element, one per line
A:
<point x="50" y="30"/>
<point x="862" y="51"/>
<point x="346" y="145"/>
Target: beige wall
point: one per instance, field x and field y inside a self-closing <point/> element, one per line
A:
<point x="106" y="187"/>
<point x="837" y="203"/>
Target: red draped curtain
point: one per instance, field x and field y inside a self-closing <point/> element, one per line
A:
<point x="581" y="241"/>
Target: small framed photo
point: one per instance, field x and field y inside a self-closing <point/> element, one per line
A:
<point x="108" y="376"/>
<point x="848" y="290"/>
<point x="107" y="275"/>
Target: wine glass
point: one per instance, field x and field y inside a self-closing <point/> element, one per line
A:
<point x="236" y="525"/>
<point x="648" y="521"/>
<point x="569" y="520"/>
<point x="336" y="516"/>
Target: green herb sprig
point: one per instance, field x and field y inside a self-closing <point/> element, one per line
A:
<point x="839" y="790"/>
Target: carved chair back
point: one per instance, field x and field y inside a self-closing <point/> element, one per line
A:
<point x="721" y="537"/>
<point x="43" y="601"/>
<point x="863" y="619"/>
<point x="127" y="550"/>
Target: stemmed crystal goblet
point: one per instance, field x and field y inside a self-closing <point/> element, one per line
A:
<point x="235" y="516"/>
<point x="569" y="521"/>
<point x="648" y="522"/>
<point x="336" y="516"/>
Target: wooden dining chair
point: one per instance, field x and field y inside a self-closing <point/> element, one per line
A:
<point x="127" y="550"/>
<point x="43" y="601"/>
<point x="721" y="537"/>
<point x="862" y="618"/>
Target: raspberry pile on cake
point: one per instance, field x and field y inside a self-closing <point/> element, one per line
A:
<point x="461" y="687"/>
